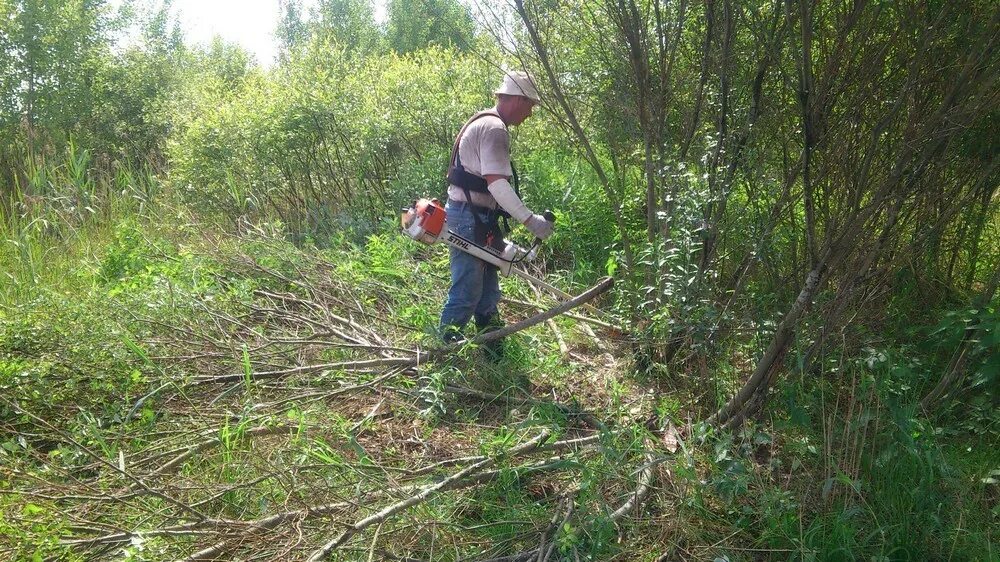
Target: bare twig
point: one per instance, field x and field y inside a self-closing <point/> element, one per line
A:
<point x="420" y="497"/>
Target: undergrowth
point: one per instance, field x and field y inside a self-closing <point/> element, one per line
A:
<point x="94" y="344"/>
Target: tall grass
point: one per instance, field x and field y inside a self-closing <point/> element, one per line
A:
<point x="59" y="212"/>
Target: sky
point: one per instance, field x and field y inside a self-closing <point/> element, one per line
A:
<point x="249" y="23"/>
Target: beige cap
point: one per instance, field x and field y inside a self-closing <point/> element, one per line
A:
<point x="518" y="83"/>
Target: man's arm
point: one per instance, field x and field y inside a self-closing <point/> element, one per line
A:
<point x="507" y="198"/>
<point x="494" y="154"/>
<point x="500" y="189"/>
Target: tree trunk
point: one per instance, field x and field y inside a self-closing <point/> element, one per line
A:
<point x="779" y="342"/>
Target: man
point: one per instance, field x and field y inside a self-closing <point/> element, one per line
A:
<point x="479" y="193"/>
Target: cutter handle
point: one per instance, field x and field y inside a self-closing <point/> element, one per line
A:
<point x="549" y="216"/>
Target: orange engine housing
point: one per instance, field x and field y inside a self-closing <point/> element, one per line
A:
<point x="425" y="220"/>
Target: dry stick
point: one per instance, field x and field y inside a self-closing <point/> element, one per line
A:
<point x="555" y="291"/>
<point x="420" y="497"/>
<point x="210" y="553"/>
<point x="542" y="546"/>
<point x="557" y="446"/>
<point x="199" y="527"/>
<point x="583" y="298"/>
<point x="346" y="366"/>
<point x="449" y="483"/>
<point x="209" y="443"/>
<point x="324" y="394"/>
<point x="580" y="317"/>
<point x="314" y="340"/>
<point x="584" y="325"/>
<point x="601" y="346"/>
<point x="272" y="521"/>
<point x="312" y="290"/>
<point x="340" y="320"/>
<point x="186" y="529"/>
<point x="545" y="551"/>
<point x="267" y="523"/>
<point x="589" y="418"/>
<point x="352" y="366"/>
<point x="636" y="498"/>
<point x="645" y="479"/>
<point x="259" y="350"/>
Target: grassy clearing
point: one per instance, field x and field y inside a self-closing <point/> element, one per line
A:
<point x="170" y="388"/>
<point x="156" y="310"/>
<point x="107" y="361"/>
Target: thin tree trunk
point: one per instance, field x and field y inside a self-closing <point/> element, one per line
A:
<point x="805" y="100"/>
<point x="700" y="95"/>
<point x="581" y="137"/>
<point x="985" y="211"/>
<point x="775" y="350"/>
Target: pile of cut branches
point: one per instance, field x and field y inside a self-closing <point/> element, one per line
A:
<point x="293" y="424"/>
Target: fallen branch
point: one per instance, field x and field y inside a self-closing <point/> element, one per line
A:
<point x="346" y="366"/>
<point x="585" y="323"/>
<point x="206" y="525"/>
<point x="216" y="550"/>
<point x="370" y="364"/>
<point x="209" y="443"/>
<point x="580" y="317"/>
<point x="555" y="291"/>
<point x="557" y="446"/>
<point x="135" y="480"/>
<point x="563" y="348"/>
<point x="230" y="526"/>
<point x="486" y="337"/>
<point x="635" y="499"/>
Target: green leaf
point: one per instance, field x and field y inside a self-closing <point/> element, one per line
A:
<point x="247" y="368"/>
<point x="134" y="348"/>
<point x="33" y="509"/>
<point x="611" y="266"/>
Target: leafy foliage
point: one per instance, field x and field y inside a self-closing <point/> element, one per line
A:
<point x="709" y="156"/>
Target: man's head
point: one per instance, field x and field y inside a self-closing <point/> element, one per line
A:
<point x="516" y="97"/>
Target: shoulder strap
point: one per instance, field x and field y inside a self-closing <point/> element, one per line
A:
<point x="454" y="149"/>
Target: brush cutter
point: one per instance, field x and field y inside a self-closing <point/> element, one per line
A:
<point x="425" y="222"/>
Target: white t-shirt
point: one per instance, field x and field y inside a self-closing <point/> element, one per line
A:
<point x="484" y="149"/>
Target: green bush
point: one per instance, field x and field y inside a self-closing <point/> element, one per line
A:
<point x="330" y="140"/>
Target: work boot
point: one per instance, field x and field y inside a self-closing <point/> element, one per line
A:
<point x="451" y="334"/>
<point x="492" y="350"/>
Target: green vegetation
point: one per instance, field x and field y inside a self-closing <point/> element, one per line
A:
<point x="211" y="331"/>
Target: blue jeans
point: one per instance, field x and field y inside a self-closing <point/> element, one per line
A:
<point x="475" y="284"/>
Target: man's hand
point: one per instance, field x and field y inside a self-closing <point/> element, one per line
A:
<point x="538" y="226"/>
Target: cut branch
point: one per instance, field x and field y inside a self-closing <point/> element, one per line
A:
<point x="420" y="497"/>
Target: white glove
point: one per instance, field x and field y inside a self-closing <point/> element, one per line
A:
<point x="539" y="226"/>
